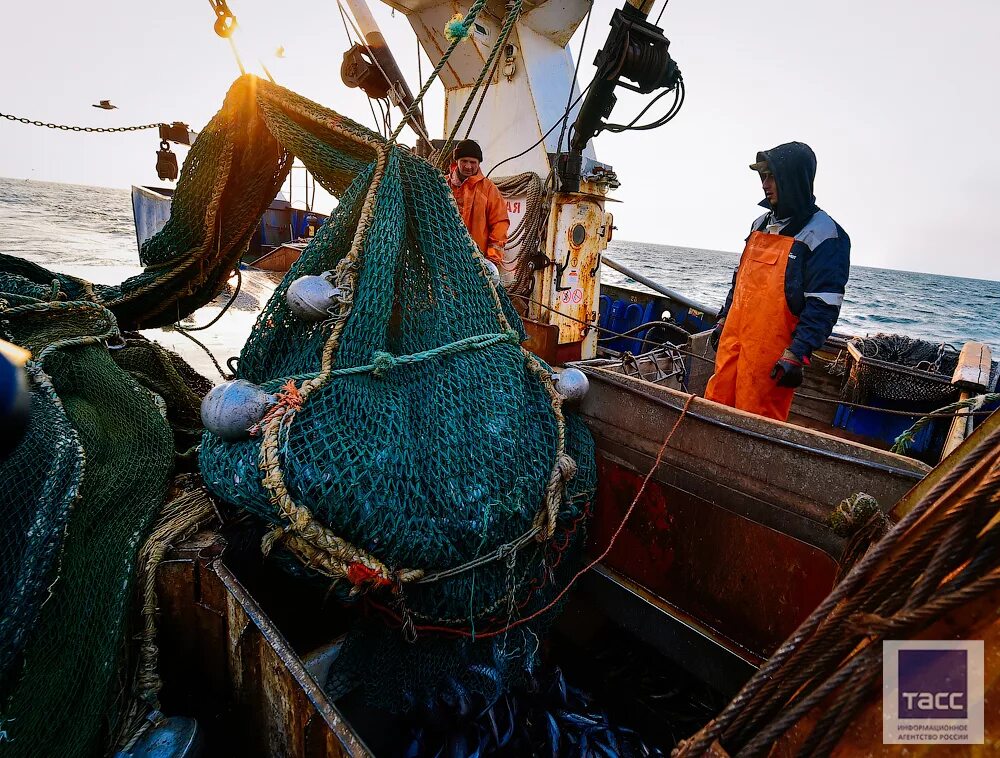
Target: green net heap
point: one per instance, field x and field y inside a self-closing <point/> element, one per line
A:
<point x="419" y="458"/>
<point x="77" y="497"/>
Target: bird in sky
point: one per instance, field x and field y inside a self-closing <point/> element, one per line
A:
<point x="105" y="105"/>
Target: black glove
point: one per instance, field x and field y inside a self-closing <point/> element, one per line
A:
<point x="716" y="335"/>
<point x="787" y="372"/>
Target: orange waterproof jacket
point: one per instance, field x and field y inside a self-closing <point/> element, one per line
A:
<point x="484" y="212"/>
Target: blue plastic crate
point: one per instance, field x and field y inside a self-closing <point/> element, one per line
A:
<point x="886" y="427"/>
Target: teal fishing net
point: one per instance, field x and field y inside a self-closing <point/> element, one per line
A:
<point x="418" y="458"/>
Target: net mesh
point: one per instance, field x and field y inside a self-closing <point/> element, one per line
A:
<point x="419" y="458"/>
<point x="417" y="438"/>
<point x="899" y="368"/>
<point x="76" y="498"/>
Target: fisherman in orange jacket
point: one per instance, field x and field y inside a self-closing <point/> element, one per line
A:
<point x="483" y="208"/>
<point x="787" y="291"/>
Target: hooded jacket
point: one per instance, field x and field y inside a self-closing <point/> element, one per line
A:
<point x="484" y="212"/>
<point x="819" y="261"/>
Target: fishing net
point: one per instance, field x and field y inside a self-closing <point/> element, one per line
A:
<point x="418" y="456"/>
<point x="76" y="497"/>
<point x="232" y="172"/>
<point x="895" y="367"/>
<point x="45" y="470"/>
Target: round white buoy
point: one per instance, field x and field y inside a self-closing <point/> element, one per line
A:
<point x="311" y="297"/>
<point x="230" y="409"/>
<point x="572" y="384"/>
<point x="494" y="271"/>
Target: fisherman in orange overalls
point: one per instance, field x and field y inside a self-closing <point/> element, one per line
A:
<point x="480" y="203"/>
<point x="787" y="290"/>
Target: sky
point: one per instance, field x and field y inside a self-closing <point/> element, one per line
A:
<point x="896" y="97"/>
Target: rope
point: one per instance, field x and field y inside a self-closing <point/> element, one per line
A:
<point x="383" y="362"/>
<point x="527" y="234"/>
<point x="178" y="518"/>
<point x="109" y="324"/>
<point x="236" y="292"/>
<point x="467" y="22"/>
<point x="215" y="362"/>
<point x="88" y="129"/>
<point x="935" y="559"/>
<point x="313" y="543"/>
<point x="903" y="441"/>
<point x="513" y="13"/>
<point x="948" y="411"/>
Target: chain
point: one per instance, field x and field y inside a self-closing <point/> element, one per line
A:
<point x="65" y="128"/>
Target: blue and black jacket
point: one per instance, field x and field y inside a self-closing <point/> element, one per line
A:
<point x="819" y="261"/>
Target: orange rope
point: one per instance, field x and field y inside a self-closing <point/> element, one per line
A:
<point x="288" y="398"/>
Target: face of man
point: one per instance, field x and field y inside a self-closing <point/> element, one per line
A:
<point x="468" y="167"/>
<point x="770" y="187"/>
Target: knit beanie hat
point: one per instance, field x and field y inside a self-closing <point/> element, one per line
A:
<point x="468" y="148"/>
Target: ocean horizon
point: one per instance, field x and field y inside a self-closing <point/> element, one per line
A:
<point x="91" y="231"/>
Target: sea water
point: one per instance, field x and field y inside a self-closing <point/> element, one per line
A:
<point x="88" y="232"/>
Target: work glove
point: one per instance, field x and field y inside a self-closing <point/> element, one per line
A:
<point x="787" y="372"/>
<point x="716" y="335"/>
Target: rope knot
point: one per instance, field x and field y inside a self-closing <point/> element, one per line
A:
<point x="456" y="29"/>
<point x="381" y="363"/>
<point x="512" y="337"/>
<point x="567" y="467"/>
<point x="852" y="513"/>
<point x="271" y="538"/>
<point x="287" y="399"/>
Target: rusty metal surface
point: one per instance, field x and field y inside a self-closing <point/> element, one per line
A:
<point x="571" y="285"/>
<point x="225" y="663"/>
<point x="680" y="637"/>
<point x="543" y="339"/>
<point x="732" y="528"/>
<point x="750" y="584"/>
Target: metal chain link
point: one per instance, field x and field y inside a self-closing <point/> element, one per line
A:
<point x="65" y="128"/>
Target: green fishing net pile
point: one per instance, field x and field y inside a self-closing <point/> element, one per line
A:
<point x="109" y="410"/>
<point x="77" y="497"/>
<point x="421" y="450"/>
<point x="79" y="493"/>
<point x="433" y="444"/>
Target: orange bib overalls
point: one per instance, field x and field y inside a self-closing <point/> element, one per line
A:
<point x="757" y="330"/>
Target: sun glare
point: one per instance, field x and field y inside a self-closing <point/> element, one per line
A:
<point x="256" y="38"/>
